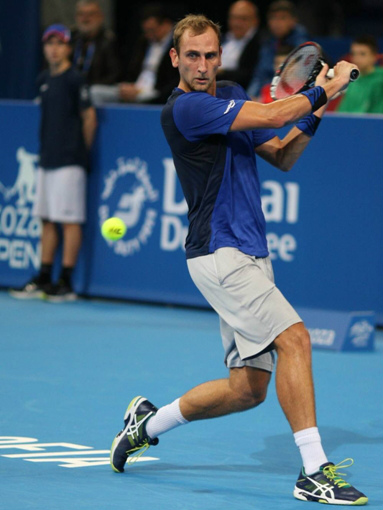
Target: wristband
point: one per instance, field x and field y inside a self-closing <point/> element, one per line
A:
<point x="317" y="97"/>
<point x="309" y="124"/>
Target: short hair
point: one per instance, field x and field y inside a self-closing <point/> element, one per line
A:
<point x="197" y="24"/>
<point x="155" y="10"/>
<point x="250" y="2"/>
<point x="283" y="5"/>
<point x="367" y="40"/>
<point x="79" y="3"/>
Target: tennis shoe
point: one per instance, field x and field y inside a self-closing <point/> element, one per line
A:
<point x="327" y="486"/>
<point x="34" y="289"/>
<point x="60" y="292"/>
<point x="132" y="441"/>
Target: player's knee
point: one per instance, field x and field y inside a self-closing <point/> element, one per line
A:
<point x="253" y="397"/>
<point x="250" y="396"/>
<point x="295" y="340"/>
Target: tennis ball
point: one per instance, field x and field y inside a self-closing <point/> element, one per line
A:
<point x="113" y="229"/>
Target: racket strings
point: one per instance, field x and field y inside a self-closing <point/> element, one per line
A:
<point x="296" y="71"/>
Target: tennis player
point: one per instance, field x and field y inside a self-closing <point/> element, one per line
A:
<point x="214" y="132"/>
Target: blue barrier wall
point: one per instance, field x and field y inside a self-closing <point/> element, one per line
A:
<point x="325" y="217"/>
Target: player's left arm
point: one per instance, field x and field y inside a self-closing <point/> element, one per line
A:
<point x="89" y="125"/>
<point x="284" y="153"/>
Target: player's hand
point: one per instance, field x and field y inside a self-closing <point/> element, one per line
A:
<point x="322" y="78"/>
<point x="342" y="72"/>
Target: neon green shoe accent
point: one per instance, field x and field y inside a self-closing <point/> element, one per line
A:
<point x="332" y="472"/>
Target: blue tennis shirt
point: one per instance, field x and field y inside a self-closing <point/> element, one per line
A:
<point x="217" y="170"/>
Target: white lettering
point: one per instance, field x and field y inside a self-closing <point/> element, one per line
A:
<point x="38" y="447"/>
<point x="8" y="220"/>
<point x="322" y="336"/>
<point x="292" y="202"/>
<point x="19" y="253"/>
<point x="7" y="440"/>
<point x="170" y="205"/>
<point x="281" y="247"/>
<point x="273" y="204"/>
<point x="173" y="233"/>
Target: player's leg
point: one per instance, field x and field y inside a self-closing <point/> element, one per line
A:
<point x="245" y="388"/>
<point x="294" y="381"/>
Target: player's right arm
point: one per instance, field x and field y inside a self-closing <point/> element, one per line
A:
<point x="288" y="111"/>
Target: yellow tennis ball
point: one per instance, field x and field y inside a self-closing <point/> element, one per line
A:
<point x="113" y="229"/>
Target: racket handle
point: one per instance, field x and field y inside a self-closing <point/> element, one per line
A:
<point x="354" y="75"/>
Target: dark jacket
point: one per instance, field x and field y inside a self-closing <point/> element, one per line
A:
<point x="167" y="76"/>
<point x="97" y="59"/>
<point x="247" y="62"/>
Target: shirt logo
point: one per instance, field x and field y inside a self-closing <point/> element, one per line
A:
<point x="229" y="106"/>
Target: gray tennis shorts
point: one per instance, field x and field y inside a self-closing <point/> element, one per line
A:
<point x="61" y="194"/>
<point x="252" y="310"/>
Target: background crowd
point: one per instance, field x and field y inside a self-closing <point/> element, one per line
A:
<point x="121" y="48"/>
<point x="136" y="68"/>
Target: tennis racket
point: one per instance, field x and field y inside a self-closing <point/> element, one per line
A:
<point x="299" y="71"/>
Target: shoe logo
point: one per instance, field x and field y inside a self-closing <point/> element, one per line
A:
<point x="322" y="489"/>
<point x="229" y="106"/>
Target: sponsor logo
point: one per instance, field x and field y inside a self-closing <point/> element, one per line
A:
<point x="322" y="337"/>
<point x="17" y="226"/>
<point x="280" y="205"/>
<point x="131" y="200"/>
<point x="229" y="106"/>
<point x="360" y="333"/>
<point x="68" y="455"/>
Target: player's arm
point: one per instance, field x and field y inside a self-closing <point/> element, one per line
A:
<point x="287" y="111"/>
<point x="283" y="153"/>
<point x="89" y="125"/>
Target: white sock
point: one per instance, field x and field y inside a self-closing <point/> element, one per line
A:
<point x="166" y="418"/>
<point x="310" y="447"/>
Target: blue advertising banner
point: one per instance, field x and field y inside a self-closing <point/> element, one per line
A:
<point x="325" y="217"/>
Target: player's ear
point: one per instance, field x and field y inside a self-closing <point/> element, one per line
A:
<point x="174" y="57"/>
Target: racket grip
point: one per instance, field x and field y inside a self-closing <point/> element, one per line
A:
<point x="354" y="75"/>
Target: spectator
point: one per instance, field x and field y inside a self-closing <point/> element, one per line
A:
<point x="241" y="43"/>
<point x="68" y="123"/>
<point x="150" y="76"/>
<point x="283" y="28"/>
<point x="365" y="95"/>
<point x="280" y="56"/>
<point x="95" y="53"/>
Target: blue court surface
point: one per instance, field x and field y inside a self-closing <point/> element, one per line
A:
<point x="68" y="371"/>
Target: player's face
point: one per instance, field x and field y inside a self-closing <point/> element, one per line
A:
<point x="363" y="57"/>
<point x="198" y="61"/>
<point x="56" y="51"/>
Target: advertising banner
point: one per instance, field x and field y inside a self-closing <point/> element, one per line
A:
<point x="324" y="217"/>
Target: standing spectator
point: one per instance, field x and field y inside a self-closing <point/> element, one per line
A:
<point x="241" y="43"/>
<point x="68" y="123"/>
<point x="150" y="76"/>
<point x="365" y="95"/>
<point x="95" y="53"/>
<point x="283" y="28"/>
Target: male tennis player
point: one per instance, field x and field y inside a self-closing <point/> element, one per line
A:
<point x="214" y="131"/>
